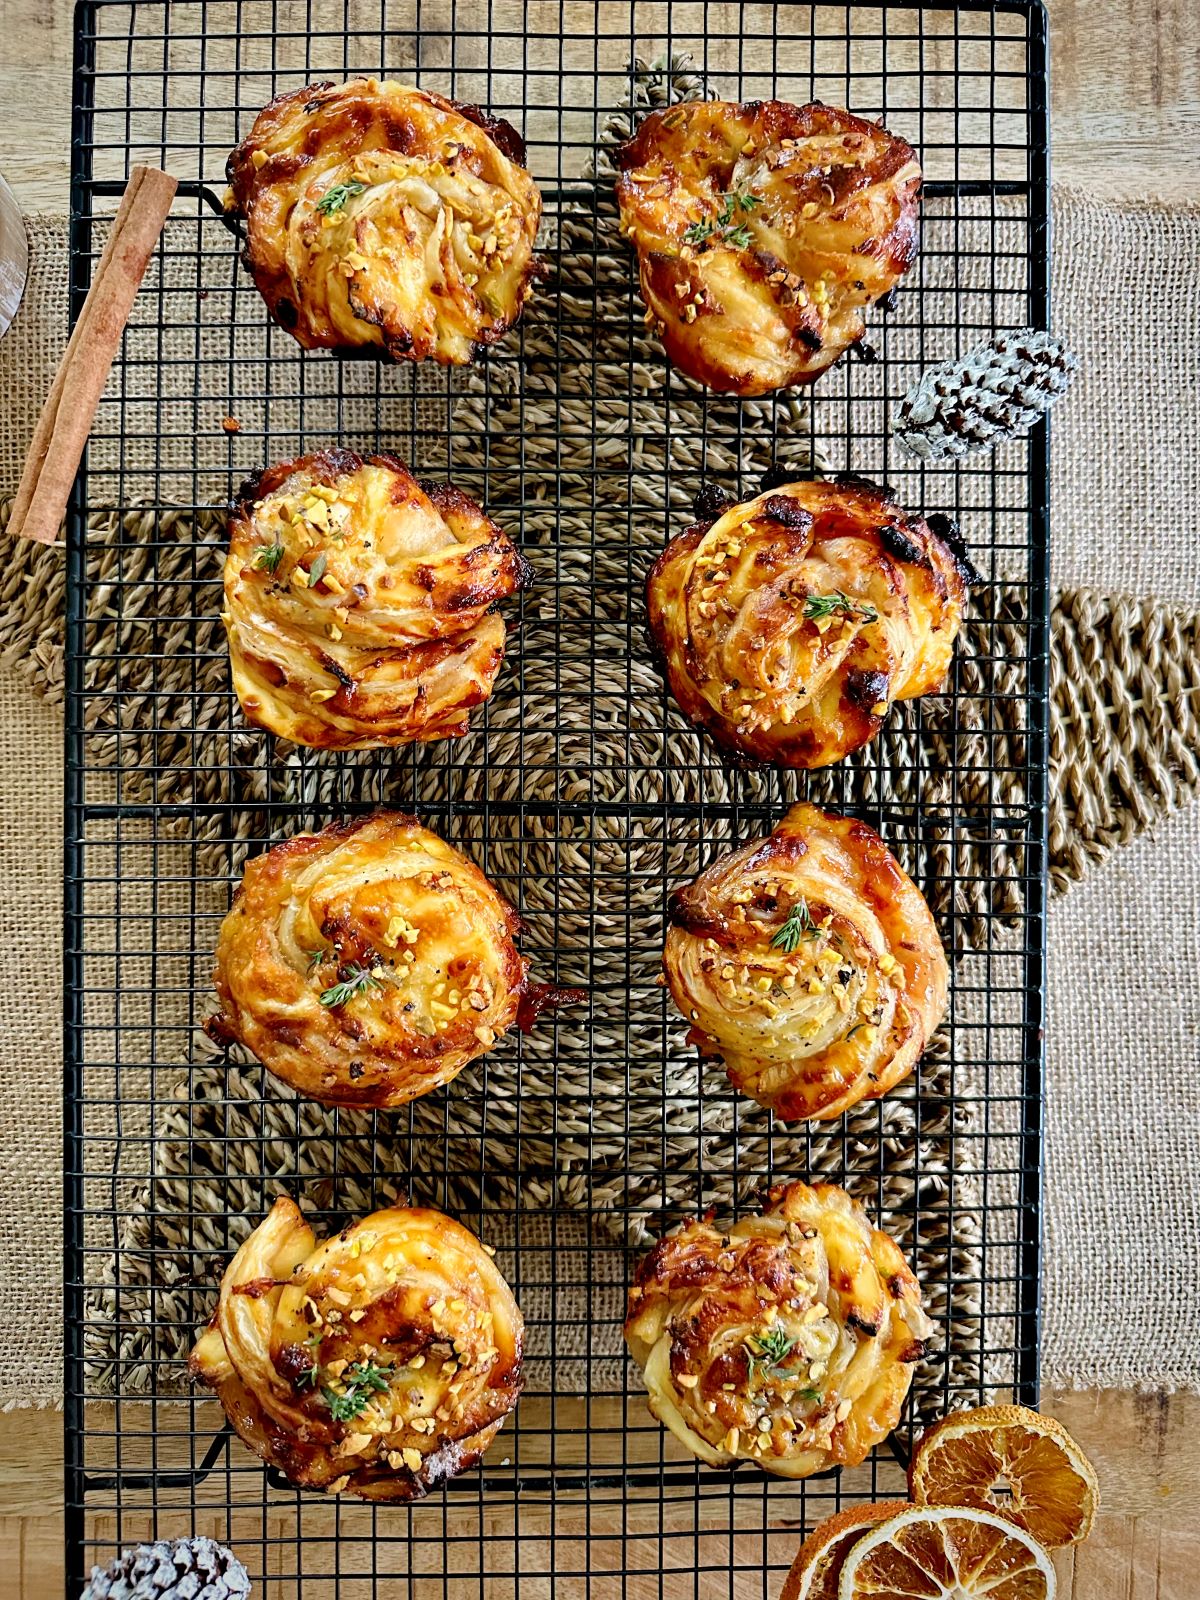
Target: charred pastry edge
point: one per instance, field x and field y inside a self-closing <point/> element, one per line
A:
<point x="337" y="459"/>
<point x="533" y="995"/>
<point x="502" y="134"/>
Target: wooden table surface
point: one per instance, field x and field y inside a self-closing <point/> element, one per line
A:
<point x="1126" y="115"/>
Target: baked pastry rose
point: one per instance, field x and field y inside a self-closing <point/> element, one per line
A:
<point x="788" y="625"/>
<point x="368" y="963"/>
<point x="380" y="217"/>
<point x="763" y="231"/>
<point x="787" y="1338"/>
<point x="810" y="964"/>
<point x="381" y="1361"/>
<point x="358" y="602"/>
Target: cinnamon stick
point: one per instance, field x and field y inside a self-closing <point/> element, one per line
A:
<point x="70" y="408"/>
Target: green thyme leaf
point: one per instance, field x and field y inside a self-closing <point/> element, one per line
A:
<point x="315" y="958"/>
<point x="317" y="571"/>
<point x="353" y="980"/>
<point x="819" y="606"/>
<point x="775" y="1345"/>
<point x="359" y="1383"/>
<point x="765" y="1352"/>
<point x="731" y="232"/>
<point x="269" y="557"/>
<point x="799" y="925"/>
<point x="308" y="1378"/>
<point x="334" y="199"/>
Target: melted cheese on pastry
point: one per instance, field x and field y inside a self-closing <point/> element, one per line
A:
<point x="762" y="232"/>
<point x="368" y="963"/>
<point x="809" y="962"/>
<point x="358" y="602"/>
<point x="381" y="1361"/>
<point x="787" y="1338"/>
<point x="382" y="217"/>
<point x="787" y="626"/>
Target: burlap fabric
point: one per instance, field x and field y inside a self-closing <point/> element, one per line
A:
<point x="1124" y="992"/>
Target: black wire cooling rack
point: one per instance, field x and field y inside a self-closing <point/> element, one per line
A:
<point x="580" y="790"/>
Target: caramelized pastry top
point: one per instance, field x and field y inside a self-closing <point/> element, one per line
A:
<point x="787" y="1338"/>
<point x="368" y="963"/>
<point x="763" y="231"/>
<point x="381" y="1361"/>
<point x="357" y="602"/>
<point x="787" y="626"/>
<point x="380" y="217"/>
<point x="809" y="962"/>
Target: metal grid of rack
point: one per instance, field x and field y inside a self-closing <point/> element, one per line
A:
<point x="580" y="790"/>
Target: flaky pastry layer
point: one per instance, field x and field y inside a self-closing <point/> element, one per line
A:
<point x="378" y="1362"/>
<point x="789" y="624"/>
<point x="382" y="218"/>
<point x="358" y="602"/>
<point x="787" y="1338"/>
<point x="810" y="964"/>
<point x="763" y="231"/>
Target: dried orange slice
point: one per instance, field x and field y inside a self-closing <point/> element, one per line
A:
<point x="946" y="1553"/>
<point x="818" y="1563"/>
<point x="1012" y="1460"/>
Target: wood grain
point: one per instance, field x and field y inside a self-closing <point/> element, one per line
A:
<point x="1146" y="1449"/>
<point x="1125" y="86"/>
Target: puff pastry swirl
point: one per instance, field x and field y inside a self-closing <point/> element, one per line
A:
<point x="368" y="963"/>
<point x="788" y="626"/>
<point x="358" y="602"/>
<point x="380" y="1362"/>
<point x="810" y="963"/>
<point x="763" y="231"/>
<point x="788" y="1338"/>
<point x="383" y="218"/>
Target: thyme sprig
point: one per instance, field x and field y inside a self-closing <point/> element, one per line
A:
<point x="819" y="606"/>
<point x="799" y="925"/>
<point x="308" y="1378"/>
<point x="352" y="980"/>
<point x="335" y="198"/>
<point x="269" y="557"/>
<point x="724" y="225"/>
<point x="359" y="1383"/>
<point x="766" y="1353"/>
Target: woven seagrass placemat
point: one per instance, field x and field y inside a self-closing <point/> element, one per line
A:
<point x="1126" y="751"/>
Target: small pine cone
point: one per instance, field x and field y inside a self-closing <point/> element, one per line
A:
<point x="995" y="392"/>
<point x="176" y="1569"/>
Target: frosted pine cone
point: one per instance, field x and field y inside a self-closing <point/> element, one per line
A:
<point x="175" y="1569"/>
<point x="995" y="392"/>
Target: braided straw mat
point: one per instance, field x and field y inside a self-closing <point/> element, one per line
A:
<point x="1123" y="1132"/>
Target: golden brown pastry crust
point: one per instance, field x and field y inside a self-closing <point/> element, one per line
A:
<point x="429" y="252"/>
<point x="788" y="626"/>
<point x="809" y="962"/>
<point x="357" y="602"/>
<point x="763" y="230"/>
<point x="383" y="897"/>
<point x="380" y="1362"/>
<point x="786" y="1339"/>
